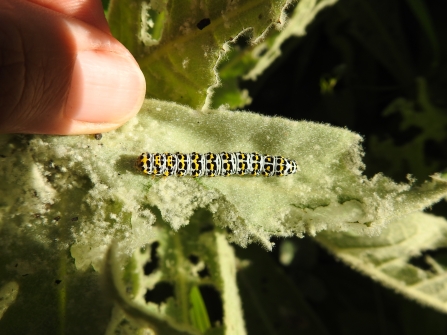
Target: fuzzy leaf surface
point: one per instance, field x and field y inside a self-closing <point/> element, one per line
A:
<point x="394" y="257"/>
<point x="65" y="199"/>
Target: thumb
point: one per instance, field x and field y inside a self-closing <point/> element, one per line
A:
<point x="62" y="75"/>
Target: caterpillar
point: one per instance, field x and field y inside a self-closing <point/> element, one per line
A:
<point x="212" y="164"/>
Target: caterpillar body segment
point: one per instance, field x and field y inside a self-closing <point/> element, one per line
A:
<point x="215" y="164"/>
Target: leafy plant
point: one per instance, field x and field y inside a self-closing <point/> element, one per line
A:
<point x="90" y="245"/>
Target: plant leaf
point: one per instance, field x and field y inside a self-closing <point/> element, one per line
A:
<point x="79" y="194"/>
<point x="8" y="295"/>
<point x="198" y="313"/>
<point x="92" y="187"/>
<point x="430" y="123"/>
<point x="251" y="61"/>
<point x="180" y="63"/>
<point x="388" y="258"/>
<point x="304" y="13"/>
<point x="194" y="259"/>
<point x="124" y="18"/>
<point x="161" y="324"/>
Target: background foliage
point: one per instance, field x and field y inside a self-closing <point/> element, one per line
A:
<point x="357" y="67"/>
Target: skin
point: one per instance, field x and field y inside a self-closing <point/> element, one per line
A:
<point x="61" y="71"/>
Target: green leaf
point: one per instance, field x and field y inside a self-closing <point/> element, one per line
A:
<point x="421" y="114"/>
<point x="82" y="180"/>
<point x="78" y="194"/>
<point x="304" y="13"/>
<point x="196" y="257"/>
<point x="160" y="324"/>
<point x="236" y="63"/>
<point x="8" y="295"/>
<point x="252" y="60"/>
<point x="198" y="314"/>
<point x="124" y="18"/>
<point x="179" y="44"/>
<point x="388" y="258"/>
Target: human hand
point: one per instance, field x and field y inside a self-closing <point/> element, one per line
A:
<point x="61" y="71"/>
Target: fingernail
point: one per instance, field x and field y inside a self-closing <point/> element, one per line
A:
<point x="105" y="87"/>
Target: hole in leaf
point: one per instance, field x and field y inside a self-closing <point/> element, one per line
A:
<point x="203" y="23"/>
<point x="160" y="293"/>
<point x="206" y="228"/>
<point x="435" y="154"/>
<point x="204" y="272"/>
<point x="213" y="303"/>
<point x="151" y="265"/>
<point x="193" y="259"/>
<point x="426" y="259"/>
<point x="420" y="262"/>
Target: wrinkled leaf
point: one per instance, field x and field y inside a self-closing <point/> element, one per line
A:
<point x="388" y="258"/>
<point x="251" y="61"/>
<point x="79" y="194"/>
<point x="93" y="189"/>
<point x="179" y="55"/>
